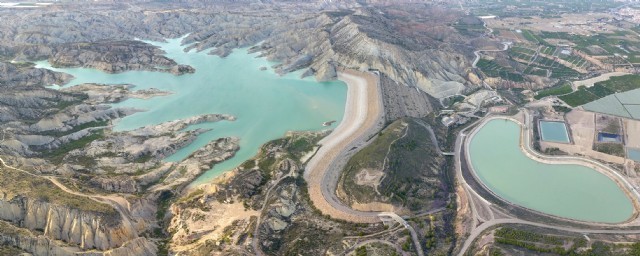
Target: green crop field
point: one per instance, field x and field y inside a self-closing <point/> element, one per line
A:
<point x="559" y="90"/>
<point x="622" y="83"/>
<point x="493" y="69"/>
<point x="557" y="70"/>
<point x="615" y="84"/>
<point x="608" y="42"/>
<point x="535" y="71"/>
<point x="530" y="36"/>
<point x="549" y="50"/>
<point x="580" y="97"/>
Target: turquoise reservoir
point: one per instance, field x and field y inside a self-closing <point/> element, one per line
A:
<point x="267" y="105"/>
<point x="564" y="190"/>
<point x="554" y="131"/>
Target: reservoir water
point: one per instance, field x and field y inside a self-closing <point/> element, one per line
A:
<point x="554" y="131"/>
<point x="564" y="190"/>
<point x="266" y="105"/>
<point x="633" y="154"/>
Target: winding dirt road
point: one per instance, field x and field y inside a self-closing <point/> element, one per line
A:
<point x="120" y="204"/>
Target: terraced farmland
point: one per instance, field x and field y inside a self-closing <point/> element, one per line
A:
<point x="493" y="69"/>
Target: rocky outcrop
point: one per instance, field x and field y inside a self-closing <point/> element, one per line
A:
<point x="404" y="101"/>
<point x="86" y="230"/>
<point x="178" y="125"/>
<point x="120" y="184"/>
<point x="413" y="44"/>
<point x="278" y="219"/>
<point x="182" y="69"/>
<point x="199" y="161"/>
<point x="77" y="115"/>
<point x="13" y="75"/>
<point x="41" y="245"/>
<point x="153" y="141"/>
<point x="371" y="41"/>
<point x="115" y="57"/>
<point x="248" y="183"/>
<point x="102" y="93"/>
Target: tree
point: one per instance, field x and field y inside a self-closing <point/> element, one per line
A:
<point x="361" y="251"/>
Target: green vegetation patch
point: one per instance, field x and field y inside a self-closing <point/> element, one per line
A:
<point x="610" y="42"/>
<point x="615" y="84"/>
<point x="560" y="90"/>
<point x="531" y="37"/>
<point x="58" y="154"/>
<point x="76" y="128"/>
<point x="16" y="183"/>
<point x="557" y="70"/>
<point x="622" y="83"/>
<point x="493" y="69"/>
<point x="524" y="242"/>
<point x="406" y="155"/>
<point x="372" y="158"/>
<point x="615" y="149"/>
<point x="536" y="242"/>
<point x="580" y="97"/>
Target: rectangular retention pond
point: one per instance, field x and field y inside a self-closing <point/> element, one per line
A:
<point x="554" y="131"/>
<point x="633" y="154"/>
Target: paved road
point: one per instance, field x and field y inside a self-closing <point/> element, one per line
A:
<point x="477" y="53"/>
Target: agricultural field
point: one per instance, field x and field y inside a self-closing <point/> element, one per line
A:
<point x="493" y="69"/>
<point x="612" y="43"/>
<point x="522" y="53"/>
<point x="534" y="38"/>
<point x="579" y="97"/>
<point x="545" y="8"/>
<point x="521" y="240"/>
<point x="615" y="84"/>
<point x="559" y="90"/>
<point x="469" y="29"/>
<point x="575" y="60"/>
<point x="533" y="62"/>
<point x="557" y="70"/>
<point x="622" y="83"/>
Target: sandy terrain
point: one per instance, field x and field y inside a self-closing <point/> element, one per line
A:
<point x="582" y="127"/>
<point x="369" y="177"/>
<point x="632" y="131"/>
<point x="208" y="225"/>
<point x="363" y="111"/>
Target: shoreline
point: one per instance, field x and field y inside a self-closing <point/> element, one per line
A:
<point x="361" y="120"/>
